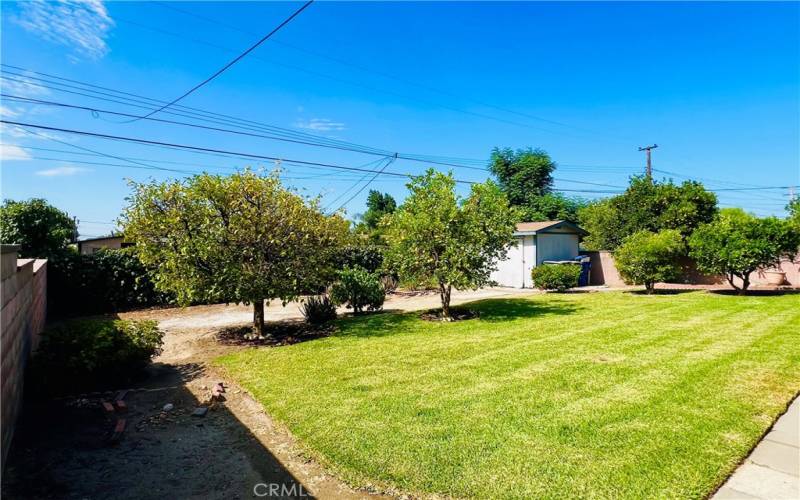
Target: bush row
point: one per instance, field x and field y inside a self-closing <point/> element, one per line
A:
<point x="101" y="282"/>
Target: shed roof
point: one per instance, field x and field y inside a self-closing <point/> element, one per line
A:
<point x="548" y="226"/>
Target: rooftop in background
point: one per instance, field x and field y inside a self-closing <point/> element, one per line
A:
<point x="547" y="226"/>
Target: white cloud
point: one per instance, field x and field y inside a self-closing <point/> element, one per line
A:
<point x="61" y="171"/>
<point x="9" y="152"/>
<point x="81" y="25"/>
<point x="9" y="112"/>
<point x="320" y="125"/>
<point x="23" y="86"/>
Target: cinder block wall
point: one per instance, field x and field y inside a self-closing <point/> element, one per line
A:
<point x="604" y="272"/>
<point x="23" y="293"/>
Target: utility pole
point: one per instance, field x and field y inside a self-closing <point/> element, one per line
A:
<point x="649" y="170"/>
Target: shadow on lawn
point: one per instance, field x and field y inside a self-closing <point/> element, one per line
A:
<point x="488" y="310"/>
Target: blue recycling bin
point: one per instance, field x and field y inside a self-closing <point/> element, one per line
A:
<point x="586" y="267"/>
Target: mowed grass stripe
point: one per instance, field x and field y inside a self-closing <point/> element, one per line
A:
<point x="581" y="395"/>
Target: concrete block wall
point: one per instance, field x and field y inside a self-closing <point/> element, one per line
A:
<point x="23" y="294"/>
<point x="604" y="272"/>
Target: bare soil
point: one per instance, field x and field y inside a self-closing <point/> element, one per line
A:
<point x="62" y="448"/>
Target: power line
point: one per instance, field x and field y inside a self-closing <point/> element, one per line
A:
<point x="215" y="129"/>
<point x="384" y="74"/>
<point x="348" y="82"/>
<point x="234" y="61"/>
<point x="362" y="188"/>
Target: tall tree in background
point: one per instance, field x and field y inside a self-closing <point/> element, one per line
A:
<point x="647" y="206"/>
<point x="526" y="177"/>
<point x="241" y="238"/>
<point x="41" y="230"/>
<point x="437" y="236"/>
<point x="378" y="205"/>
<point x="794" y="212"/>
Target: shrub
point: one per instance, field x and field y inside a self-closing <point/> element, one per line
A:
<point x="318" y="309"/>
<point x="90" y="354"/>
<point x="737" y="243"/>
<point x="358" y="288"/>
<point x="390" y="283"/>
<point x="102" y="282"/>
<point x="556" y="277"/>
<point x="645" y="258"/>
<point x="369" y="257"/>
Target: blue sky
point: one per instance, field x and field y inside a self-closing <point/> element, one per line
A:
<point x="716" y="85"/>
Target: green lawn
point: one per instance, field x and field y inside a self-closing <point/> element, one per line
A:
<point x="557" y="396"/>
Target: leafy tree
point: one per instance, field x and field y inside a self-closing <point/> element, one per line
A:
<point x="526" y="177"/>
<point x="524" y="174"/>
<point x="737" y="243"/>
<point x="645" y="258"/>
<point x="41" y="230"/>
<point x="378" y="205"/>
<point x="794" y="211"/>
<point x="647" y="206"/>
<point x="438" y="236"/>
<point x="552" y="206"/>
<point x="240" y="238"/>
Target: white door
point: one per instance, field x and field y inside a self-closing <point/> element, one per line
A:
<point x="510" y="270"/>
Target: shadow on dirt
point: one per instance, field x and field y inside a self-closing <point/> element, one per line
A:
<point x="276" y="333"/>
<point x="66" y="448"/>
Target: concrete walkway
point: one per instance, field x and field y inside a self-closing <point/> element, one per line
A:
<point x="772" y="471"/>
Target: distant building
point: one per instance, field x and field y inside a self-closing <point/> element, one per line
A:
<point x="94" y="244"/>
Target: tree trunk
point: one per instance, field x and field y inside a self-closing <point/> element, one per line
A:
<point x="730" y="277"/>
<point x="444" y="293"/>
<point x="258" y="317"/>
<point x="648" y="286"/>
<point x="745" y="284"/>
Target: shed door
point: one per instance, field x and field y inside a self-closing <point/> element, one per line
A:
<point x="508" y="270"/>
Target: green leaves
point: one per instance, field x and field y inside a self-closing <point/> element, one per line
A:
<point x="737" y="243"/>
<point x="647" y="206"/>
<point x="41" y="230"/>
<point x="437" y="236"/>
<point x="236" y="238"/>
<point x="645" y="258"/>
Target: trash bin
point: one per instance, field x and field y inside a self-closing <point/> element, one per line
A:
<point x="586" y="267"/>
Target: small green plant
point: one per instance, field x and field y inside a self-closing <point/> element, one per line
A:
<point x="357" y="289"/>
<point x="645" y="258"/>
<point x="90" y="354"/>
<point x="318" y="309"/>
<point x="556" y="277"/>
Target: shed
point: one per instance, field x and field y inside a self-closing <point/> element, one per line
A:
<point x="536" y="242"/>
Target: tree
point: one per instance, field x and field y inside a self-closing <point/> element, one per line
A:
<point x="647" y="205"/>
<point x="737" y="243"/>
<point x="240" y="238"/>
<point x="41" y="230"/>
<point x="794" y="211"/>
<point x="438" y="236"/>
<point x="378" y="205"/>
<point x="526" y="177"/>
<point x="645" y="258"/>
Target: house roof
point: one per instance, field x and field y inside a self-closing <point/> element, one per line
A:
<point x="548" y="226"/>
<point x="99" y="238"/>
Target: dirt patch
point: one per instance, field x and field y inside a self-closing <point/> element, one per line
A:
<point x="61" y="447"/>
<point x="275" y="334"/>
<point x="455" y="315"/>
